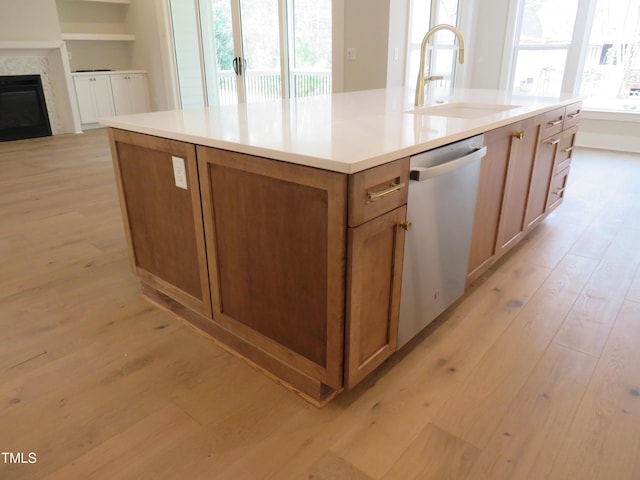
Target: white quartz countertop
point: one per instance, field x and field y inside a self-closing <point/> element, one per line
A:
<point x="344" y="132"/>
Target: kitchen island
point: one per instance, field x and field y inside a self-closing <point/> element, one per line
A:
<point x="278" y="227"/>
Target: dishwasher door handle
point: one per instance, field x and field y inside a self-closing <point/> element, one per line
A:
<point x="420" y="174"/>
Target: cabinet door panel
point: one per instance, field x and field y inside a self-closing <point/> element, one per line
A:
<point x="121" y="97"/>
<point x="163" y="221"/>
<point x="103" y="96"/>
<point x="276" y="241"/>
<point x="129" y="93"/>
<point x="94" y="97"/>
<point x="540" y="180"/>
<point x="524" y="143"/>
<point x="84" y="95"/>
<point x="374" y="274"/>
<point x="493" y="174"/>
<point x="138" y="94"/>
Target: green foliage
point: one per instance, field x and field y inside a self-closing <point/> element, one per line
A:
<point x="305" y="53"/>
<point x="224" y="40"/>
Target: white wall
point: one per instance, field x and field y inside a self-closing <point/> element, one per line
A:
<point x="610" y="131"/>
<point x="366" y="28"/>
<point x="397" y="42"/>
<point x="491" y="29"/>
<point x="146" y="19"/>
<point x="29" y="20"/>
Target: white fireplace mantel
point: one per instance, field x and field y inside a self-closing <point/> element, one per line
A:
<point x="60" y="97"/>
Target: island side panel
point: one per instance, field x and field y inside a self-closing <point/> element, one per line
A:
<point x="275" y="236"/>
<point x="163" y="221"/>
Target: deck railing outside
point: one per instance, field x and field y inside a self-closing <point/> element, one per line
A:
<point x="599" y="76"/>
<point x="264" y="85"/>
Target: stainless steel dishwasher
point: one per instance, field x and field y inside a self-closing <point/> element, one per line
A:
<point x="441" y="205"/>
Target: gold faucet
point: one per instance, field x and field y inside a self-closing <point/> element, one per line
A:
<point x="423" y="53"/>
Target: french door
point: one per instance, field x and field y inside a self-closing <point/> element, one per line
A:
<point x="236" y="51"/>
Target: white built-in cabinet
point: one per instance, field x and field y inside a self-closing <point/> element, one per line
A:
<point x="107" y="94"/>
<point x="129" y="93"/>
<point x="94" y="97"/>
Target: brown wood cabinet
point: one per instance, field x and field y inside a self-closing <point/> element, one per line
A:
<point x="522" y="179"/>
<point x="299" y="269"/>
<point x="506" y="175"/>
<point x="375" y="251"/>
<point x="163" y="221"/>
<point x="562" y="160"/>
<point x="525" y="138"/>
<point x="275" y="235"/>
<point x="541" y="179"/>
<point x="557" y="188"/>
<point x="493" y="175"/>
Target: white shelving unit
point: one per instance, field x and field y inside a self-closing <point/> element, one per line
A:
<point x="96" y="33"/>
<point x="105" y="37"/>
<point x="103" y="1"/>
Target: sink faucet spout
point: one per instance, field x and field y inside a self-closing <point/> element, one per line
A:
<point x="423" y="53"/>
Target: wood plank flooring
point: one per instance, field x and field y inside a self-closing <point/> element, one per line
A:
<point x="535" y="374"/>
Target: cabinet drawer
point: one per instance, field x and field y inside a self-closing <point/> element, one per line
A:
<point x="557" y="188"/>
<point x="565" y="150"/>
<point x="552" y="122"/>
<point x="572" y="115"/>
<point x="377" y="190"/>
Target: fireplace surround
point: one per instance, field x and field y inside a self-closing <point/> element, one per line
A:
<point x="23" y="111"/>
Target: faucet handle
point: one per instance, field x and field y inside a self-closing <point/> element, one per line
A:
<point x="431" y="78"/>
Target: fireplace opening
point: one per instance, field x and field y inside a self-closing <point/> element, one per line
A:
<point x="23" y="111"/>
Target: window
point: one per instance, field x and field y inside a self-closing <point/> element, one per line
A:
<point x="612" y="64"/>
<point x="590" y="47"/>
<point x="546" y="31"/>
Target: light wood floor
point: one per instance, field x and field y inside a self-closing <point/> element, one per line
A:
<point x="535" y="374"/>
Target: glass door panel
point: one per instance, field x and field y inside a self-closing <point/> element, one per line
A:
<point x="236" y="51"/>
<point x="261" y="70"/>
<point x="310" y="46"/>
<point x="187" y="53"/>
<point x="216" y="23"/>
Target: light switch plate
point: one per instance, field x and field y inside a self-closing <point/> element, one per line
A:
<point x="351" y="53"/>
<point x="179" y="172"/>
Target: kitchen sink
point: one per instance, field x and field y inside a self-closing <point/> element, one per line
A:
<point x="463" y="109"/>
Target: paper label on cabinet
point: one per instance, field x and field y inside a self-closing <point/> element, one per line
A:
<point x="179" y="172"/>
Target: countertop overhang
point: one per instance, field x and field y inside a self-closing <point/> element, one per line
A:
<point x="343" y="132"/>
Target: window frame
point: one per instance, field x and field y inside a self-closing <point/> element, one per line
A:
<point x="577" y="50"/>
<point x="576" y="55"/>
